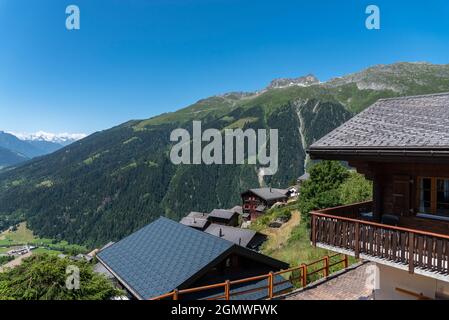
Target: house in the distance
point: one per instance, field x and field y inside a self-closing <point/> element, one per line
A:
<point x="166" y="255"/>
<point x="224" y="217"/>
<point x="197" y="220"/>
<point x="256" y="201"/>
<point x="243" y="237"/>
<point x="402" y="145"/>
<point x="300" y="181"/>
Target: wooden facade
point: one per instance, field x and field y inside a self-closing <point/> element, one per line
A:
<point x="402" y="146"/>
<point x="397" y="192"/>
<point x="393" y="226"/>
<point x="254" y="205"/>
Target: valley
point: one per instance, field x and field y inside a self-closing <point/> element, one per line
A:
<point x="112" y="182"/>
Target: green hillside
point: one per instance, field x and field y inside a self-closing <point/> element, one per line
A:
<point x="109" y="184"/>
<point x="8" y="157"/>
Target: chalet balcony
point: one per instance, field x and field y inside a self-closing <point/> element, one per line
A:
<point x="351" y="230"/>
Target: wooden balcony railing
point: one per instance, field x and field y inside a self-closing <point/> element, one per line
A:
<point x="302" y="275"/>
<point x="415" y="248"/>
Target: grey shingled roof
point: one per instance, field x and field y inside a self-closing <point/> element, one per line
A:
<point x="161" y="256"/>
<point x="269" y="193"/>
<point x="396" y="123"/>
<point x="99" y="268"/>
<point x="200" y="223"/>
<point x="304" y="177"/>
<point x="236" y="235"/>
<point x="237" y="209"/>
<point x="195" y="214"/>
<point x="222" y="214"/>
<point x="166" y="255"/>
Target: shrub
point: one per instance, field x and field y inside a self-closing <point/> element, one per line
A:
<point x="43" y="277"/>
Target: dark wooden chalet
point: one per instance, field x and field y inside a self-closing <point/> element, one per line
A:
<point x="256" y="201"/>
<point x="166" y="255"/>
<point x="402" y="145"/>
<point x="224" y="217"/>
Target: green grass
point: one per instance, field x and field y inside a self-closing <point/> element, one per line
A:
<point x="47" y="251"/>
<point x="20" y="236"/>
<point x="23" y="236"/>
<point x="294" y="248"/>
<point x="45" y="184"/>
<point x="241" y="123"/>
<point x="297" y="249"/>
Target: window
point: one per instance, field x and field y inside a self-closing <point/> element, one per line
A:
<point x="433" y="195"/>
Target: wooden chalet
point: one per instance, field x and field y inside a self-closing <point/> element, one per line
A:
<point x="224" y="217"/>
<point x="166" y="255"/>
<point x="402" y="145"/>
<point x="256" y="201"/>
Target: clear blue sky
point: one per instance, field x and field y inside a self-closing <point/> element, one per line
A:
<point x="135" y="59"/>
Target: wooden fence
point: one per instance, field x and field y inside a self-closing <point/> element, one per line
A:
<point x="415" y="248"/>
<point x="300" y="274"/>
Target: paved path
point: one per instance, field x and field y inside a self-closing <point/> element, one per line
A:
<point x="349" y="285"/>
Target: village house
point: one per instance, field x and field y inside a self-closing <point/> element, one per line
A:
<point x="197" y="220"/>
<point x="402" y="145"/>
<point x="166" y="255"/>
<point x="224" y="217"/>
<point x="300" y="181"/>
<point x="243" y="237"/>
<point x="256" y="201"/>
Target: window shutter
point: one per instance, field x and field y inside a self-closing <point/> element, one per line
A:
<point x="401" y="195"/>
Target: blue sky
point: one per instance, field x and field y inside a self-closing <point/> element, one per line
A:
<point x="135" y="59"/>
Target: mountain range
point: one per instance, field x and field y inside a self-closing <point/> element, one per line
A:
<point x="16" y="148"/>
<point x="112" y="182"/>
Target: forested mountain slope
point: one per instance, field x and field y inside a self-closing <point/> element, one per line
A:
<point x="109" y="184"/>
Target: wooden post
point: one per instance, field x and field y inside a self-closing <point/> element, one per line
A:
<point x="227" y="290"/>
<point x="175" y="294"/>
<point x="326" y="266"/>
<point x="304" y="275"/>
<point x="346" y="263"/>
<point x="356" y="240"/>
<point x="270" y="285"/>
<point x="313" y="230"/>
<point x="411" y="253"/>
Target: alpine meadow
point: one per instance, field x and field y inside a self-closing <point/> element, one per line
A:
<point x="112" y="182"/>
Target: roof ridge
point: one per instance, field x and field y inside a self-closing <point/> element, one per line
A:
<point x="193" y="229"/>
<point x="416" y="96"/>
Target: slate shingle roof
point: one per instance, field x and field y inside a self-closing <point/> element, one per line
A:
<point x="195" y="214"/>
<point x="199" y="223"/>
<point x="222" y="214"/>
<point x="236" y="235"/>
<point x="304" y="177"/>
<point x="161" y="256"/>
<point x="269" y="194"/>
<point x="164" y="255"/>
<point x="237" y="209"/>
<point x="396" y="123"/>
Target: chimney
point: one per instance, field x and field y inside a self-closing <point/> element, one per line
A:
<point x="220" y="233"/>
<point x="194" y="220"/>
<point x="270" y="189"/>
<point x="240" y="241"/>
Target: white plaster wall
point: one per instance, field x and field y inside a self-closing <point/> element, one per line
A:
<point x="389" y="278"/>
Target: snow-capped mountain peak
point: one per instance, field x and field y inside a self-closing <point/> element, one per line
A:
<point x="61" y="138"/>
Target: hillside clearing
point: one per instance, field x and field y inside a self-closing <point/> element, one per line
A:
<point x="24" y="236"/>
<point x="290" y="242"/>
